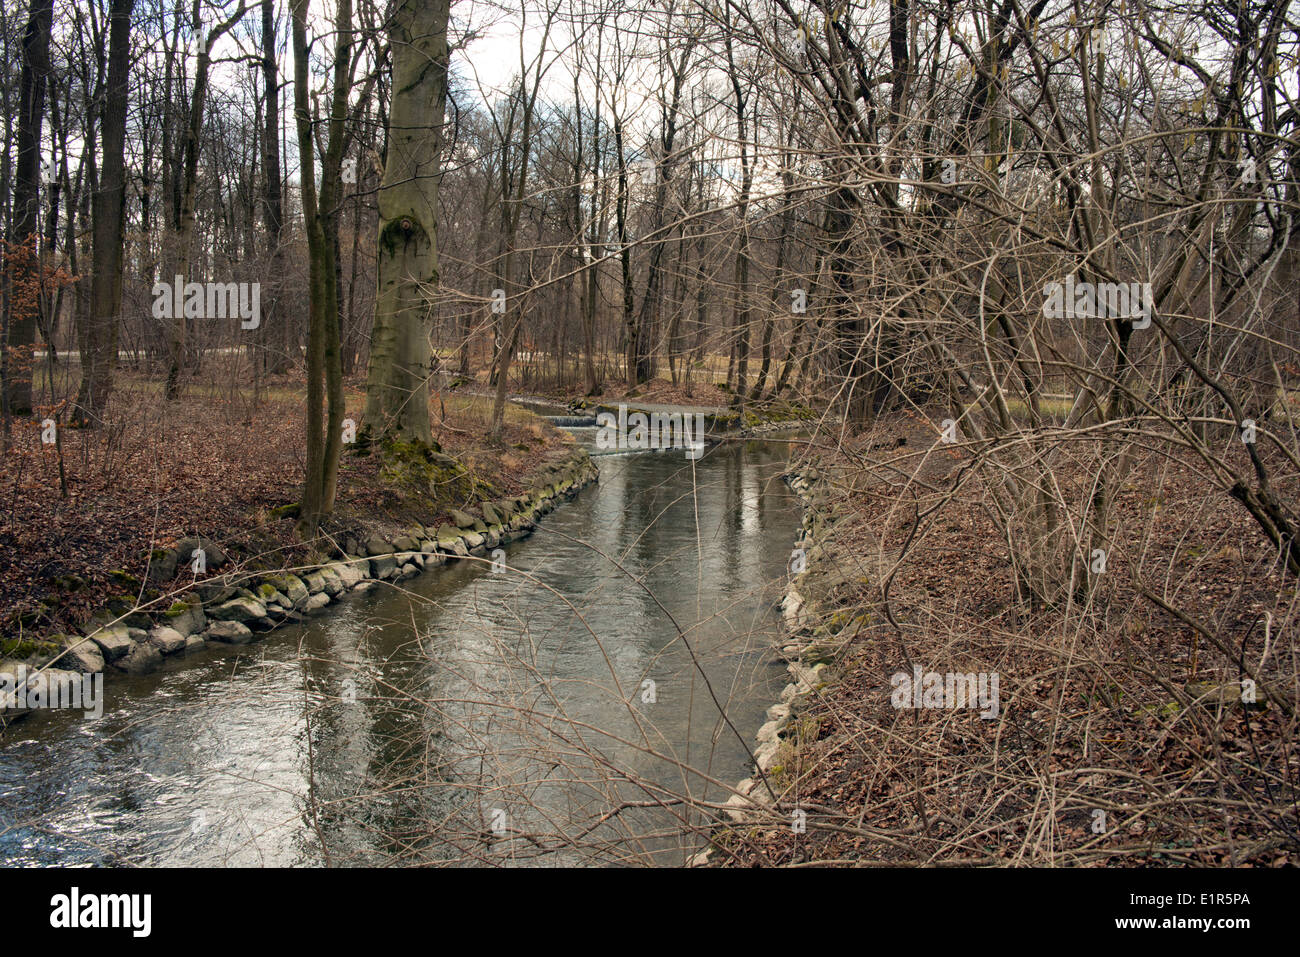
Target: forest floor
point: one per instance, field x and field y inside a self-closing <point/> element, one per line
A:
<point x="225" y="461"/>
<point x="1121" y="736"/>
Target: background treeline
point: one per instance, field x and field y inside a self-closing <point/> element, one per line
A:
<point x="658" y="187"/>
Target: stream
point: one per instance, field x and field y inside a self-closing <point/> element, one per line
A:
<point x="559" y="707"/>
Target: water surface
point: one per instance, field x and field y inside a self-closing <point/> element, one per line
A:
<point x="562" y="708"/>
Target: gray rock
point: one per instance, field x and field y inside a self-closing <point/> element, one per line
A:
<point x="194" y="643"/>
<point x="238" y="609"/>
<point x="269" y="595"/>
<point x="770" y="731"/>
<point x="405" y="543"/>
<point x="230" y="632"/>
<point x="365" y="586"/>
<point x="215" y="591"/>
<point x="167" y="640"/>
<point x="83" y="656"/>
<point x="447" y="537"/>
<point x="213" y="556"/>
<point x="383" y="567"/>
<point x="462" y="519"/>
<point x="186" y="616"/>
<point x="316" y="603"/>
<point x="408" y="571"/>
<point x="333" y="584"/>
<point x="292" y="586"/>
<point x="377" y="546"/>
<point x="428" y="547"/>
<point x="113" y="641"/>
<point x="314" y="581"/>
<point x="348" y="573"/>
<point x="490" y="514"/>
<point x="162" y="564"/>
<point x="143" y="658"/>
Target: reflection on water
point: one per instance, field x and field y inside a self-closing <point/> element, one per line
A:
<point x="557" y="711"/>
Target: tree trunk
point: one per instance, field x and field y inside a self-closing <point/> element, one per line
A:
<point x="183" y="224"/>
<point x="397" y="390"/>
<point x="21" y="315"/>
<point x="99" y="342"/>
<point x="324" y="365"/>
<point x="275" y="358"/>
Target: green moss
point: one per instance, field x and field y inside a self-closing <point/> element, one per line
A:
<point x="125" y="579"/>
<point x="1167" y="710"/>
<point x="422" y="469"/>
<point x="177" y="609"/>
<point x="26" y="647"/>
<point x="289" y="510"/>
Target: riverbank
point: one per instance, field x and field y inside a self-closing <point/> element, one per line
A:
<point x="99" y="597"/>
<point x="1109" y="732"/>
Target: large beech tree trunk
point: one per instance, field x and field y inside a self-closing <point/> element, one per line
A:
<point x="397" y="388"/>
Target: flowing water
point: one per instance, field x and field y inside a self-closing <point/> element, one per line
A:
<point x="561" y="706"/>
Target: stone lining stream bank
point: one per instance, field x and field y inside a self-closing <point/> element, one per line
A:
<point x="241" y="607"/>
<point x="813" y="639"/>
